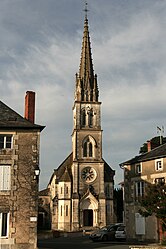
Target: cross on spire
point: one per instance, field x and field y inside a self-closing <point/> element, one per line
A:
<point x="86" y="9"/>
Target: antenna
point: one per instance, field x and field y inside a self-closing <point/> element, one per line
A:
<point x="160" y="130"/>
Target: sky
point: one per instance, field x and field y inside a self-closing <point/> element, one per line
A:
<point x="40" y="49"/>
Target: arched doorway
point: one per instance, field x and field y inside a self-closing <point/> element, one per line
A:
<point x="88" y="210"/>
<point x="87" y="217"/>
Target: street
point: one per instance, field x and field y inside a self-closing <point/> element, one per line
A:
<point x="80" y="242"/>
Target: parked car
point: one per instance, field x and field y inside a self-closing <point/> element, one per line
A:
<point x="105" y="233"/>
<point x="120" y="233"/>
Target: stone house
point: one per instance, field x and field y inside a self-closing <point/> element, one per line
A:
<point x="19" y="173"/>
<point x="81" y="188"/>
<point x="147" y="168"/>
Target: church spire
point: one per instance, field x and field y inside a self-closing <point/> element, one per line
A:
<point x="86" y="81"/>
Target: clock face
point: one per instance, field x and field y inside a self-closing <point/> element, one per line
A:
<point x="88" y="174"/>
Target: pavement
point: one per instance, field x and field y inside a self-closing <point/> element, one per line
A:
<point x="81" y="241"/>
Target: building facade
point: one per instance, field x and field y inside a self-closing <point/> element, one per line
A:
<point x="19" y="172"/>
<point x="81" y="188"/>
<point x="139" y="172"/>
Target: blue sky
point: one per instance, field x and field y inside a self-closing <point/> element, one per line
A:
<point x="40" y="49"/>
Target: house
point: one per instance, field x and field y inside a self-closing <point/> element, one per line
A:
<point x="144" y="169"/>
<point x="81" y="188"/>
<point x="19" y="175"/>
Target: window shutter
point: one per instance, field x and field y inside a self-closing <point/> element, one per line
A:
<point x="1" y="177"/>
<point x="7" y="176"/>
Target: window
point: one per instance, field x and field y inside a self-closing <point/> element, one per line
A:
<point x="138" y="168"/>
<point x="90" y="150"/>
<point x="67" y="190"/>
<point x="4" y="224"/>
<point x="159" y="165"/>
<point x="5" y="141"/>
<point x="5" y="178"/>
<point x="61" y="190"/>
<point x="67" y="210"/>
<point x="85" y="149"/>
<point x="89" y="146"/>
<point x="83" y="117"/>
<point x="140" y="188"/>
<point x="160" y="181"/>
<point x="61" y="210"/>
<point x="90" y="118"/>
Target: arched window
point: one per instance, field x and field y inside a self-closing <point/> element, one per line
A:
<point x="90" y="150"/>
<point x="90" y="118"/>
<point x="85" y="149"/>
<point x="83" y="117"/>
<point x="89" y="145"/>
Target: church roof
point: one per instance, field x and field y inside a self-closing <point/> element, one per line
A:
<point x="63" y="172"/>
<point x="108" y="172"/>
<point x="65" y="177"/>
<point x="62" y="167"/>
<point x="9" y="119"/>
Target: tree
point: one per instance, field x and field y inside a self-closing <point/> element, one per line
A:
<point x="155" y="142"/>
<point x="154" y="202"/>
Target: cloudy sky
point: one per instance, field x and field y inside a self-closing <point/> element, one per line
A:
<point x="40" y="47"/>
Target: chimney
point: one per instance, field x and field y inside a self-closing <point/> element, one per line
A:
<point x="149" y="145"/>
<point x="30" y="106"/>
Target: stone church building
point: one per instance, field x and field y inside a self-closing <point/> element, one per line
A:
<point x="81" y="188"/>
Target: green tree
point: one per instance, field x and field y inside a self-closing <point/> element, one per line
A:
<point x="154" y="202"/>
<point x="155" y="142"/>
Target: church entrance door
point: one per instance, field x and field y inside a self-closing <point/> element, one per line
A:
<point x="88" y="217"/>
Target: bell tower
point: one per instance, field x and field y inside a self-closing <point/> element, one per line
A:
<point x="88" y="165"/>
<point x="86" y="109"/>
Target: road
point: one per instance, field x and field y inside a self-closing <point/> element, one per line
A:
<point x="81" y="242"/>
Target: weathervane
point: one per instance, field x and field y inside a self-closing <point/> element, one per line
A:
<point x="86" y="9"/>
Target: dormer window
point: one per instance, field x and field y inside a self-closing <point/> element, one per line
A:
<point x="6" y="141"/>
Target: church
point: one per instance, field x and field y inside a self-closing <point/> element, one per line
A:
<point x="81" y="188"/>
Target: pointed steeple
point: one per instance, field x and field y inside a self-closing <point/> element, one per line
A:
<point x="86" y="81"/>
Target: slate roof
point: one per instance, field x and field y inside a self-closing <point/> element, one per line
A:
<point x="63" y="172"/>
<point x="108" y="172"/>
<point x="158" y="152"/>
<point x="9" y="119"/>
<point x="65" y="177"/>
